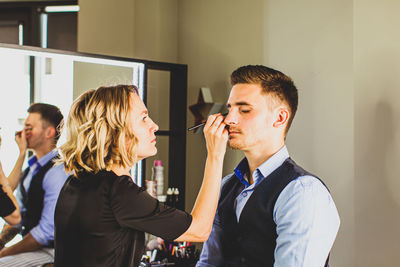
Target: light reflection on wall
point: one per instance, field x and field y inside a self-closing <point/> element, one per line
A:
<point x="14" y="101"/>
<point x="54" y="83"/>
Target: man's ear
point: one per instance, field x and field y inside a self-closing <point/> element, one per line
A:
<point x="281" y="117"/>
<point x="50" y="132"/>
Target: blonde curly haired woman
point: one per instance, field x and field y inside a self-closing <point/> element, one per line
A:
<point x="101" y="214"/>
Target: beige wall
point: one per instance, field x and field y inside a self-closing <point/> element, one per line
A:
<point x="107" y="27"/>
<point x="214" y="40"/>
<point x="377" y="132"/>
<point x="129" y="28"/>
<point x="312" y="41"/>
<point x="343" y="56"/>
<point x="156" y="32"/>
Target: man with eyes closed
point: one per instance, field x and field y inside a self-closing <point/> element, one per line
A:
<point x="271" y="212"/>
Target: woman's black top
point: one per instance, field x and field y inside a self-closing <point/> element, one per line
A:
<point x="100" y="220"/>
<point x="6" y="205"/>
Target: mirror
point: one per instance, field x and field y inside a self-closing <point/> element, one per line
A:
<point x="158" y="94"/>
<point x="29" y="74"/>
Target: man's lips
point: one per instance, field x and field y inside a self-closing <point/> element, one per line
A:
<point x="233" y="132"/>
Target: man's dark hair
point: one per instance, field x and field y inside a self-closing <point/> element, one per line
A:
<point x="273" y="82"/>
<point x="50" y="114"/>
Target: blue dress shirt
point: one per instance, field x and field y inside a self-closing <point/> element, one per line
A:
<point x="53" y="181"/>
<point x="306" y="218"/>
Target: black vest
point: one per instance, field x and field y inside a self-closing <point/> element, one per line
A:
<point x="252" y="241"/>
<point x="33" y="199"/>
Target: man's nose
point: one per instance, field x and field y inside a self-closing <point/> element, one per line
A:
<point x="230" y="118"/>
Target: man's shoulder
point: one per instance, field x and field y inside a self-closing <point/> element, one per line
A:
<point x="56" y="176"/>
<point x="305" y="177"/>
<point x="57" y="169"/>
<point x="304" y="185"/>
<point x="298" y="169"/>
<point x="308" y="180"/>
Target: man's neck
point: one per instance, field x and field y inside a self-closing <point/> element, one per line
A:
<point x="41" y="152"/>
<point x="258" y="156"/>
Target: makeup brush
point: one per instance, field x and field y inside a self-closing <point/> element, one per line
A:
<point x="202" y="124"/>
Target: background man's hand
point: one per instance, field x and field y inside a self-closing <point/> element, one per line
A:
<point x="20" y="139"/>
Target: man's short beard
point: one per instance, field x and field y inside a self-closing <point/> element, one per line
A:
<point x="235" y="146"/>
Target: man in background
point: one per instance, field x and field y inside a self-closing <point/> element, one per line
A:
<point x="271" y="212"/>
<point x="38" y="187"/>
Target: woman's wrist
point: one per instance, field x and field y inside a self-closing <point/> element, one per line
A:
<point x="22" y="153"/>
<point x="216" y="157"/>
<point x="4" y="182"/>
<point x="6" y="186"/>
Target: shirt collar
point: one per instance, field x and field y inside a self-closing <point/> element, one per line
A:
<point x="241" y="170"/>
<point x="43" y="160"/>
<point x="265" y="169"/>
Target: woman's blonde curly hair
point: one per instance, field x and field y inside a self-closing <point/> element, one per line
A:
<point x="99" y="133"/>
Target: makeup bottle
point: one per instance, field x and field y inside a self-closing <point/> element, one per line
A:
<point x="169" y="200"/>
<point x="176" y="196"/>
<point x="151" y="187"/>
<point x="158" y="176"/>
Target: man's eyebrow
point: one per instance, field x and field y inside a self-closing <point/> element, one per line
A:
<point x="238" y="104"/>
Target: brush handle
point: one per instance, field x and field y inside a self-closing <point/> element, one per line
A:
<point x="202" y="124"/>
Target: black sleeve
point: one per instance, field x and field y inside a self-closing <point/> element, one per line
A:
<point x="6" y="205"/>
<point x="133" y="207"/>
